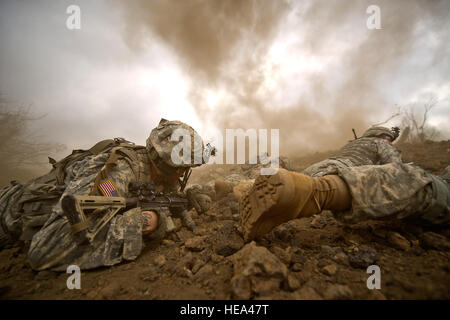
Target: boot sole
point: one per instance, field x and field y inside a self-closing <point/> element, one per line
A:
<point x="257" y="214"/>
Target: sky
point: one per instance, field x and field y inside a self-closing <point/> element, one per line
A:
<point x="309" y="68"/>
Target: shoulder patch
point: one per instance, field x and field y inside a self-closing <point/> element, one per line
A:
<point x="108" y="189"/>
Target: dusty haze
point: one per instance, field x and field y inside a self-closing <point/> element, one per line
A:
<point x="309" y="68"/>
<point x="226" y="46"/>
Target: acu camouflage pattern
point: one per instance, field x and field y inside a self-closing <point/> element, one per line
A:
<point x="378" y="131"/>
<point x="53" y="246"/>
<point x="360" y="152"/>
<point x="24" y="208"/>
<point x="382" y="186"/>
<point x="396" y="191"/>
<point x="160" y="145"/>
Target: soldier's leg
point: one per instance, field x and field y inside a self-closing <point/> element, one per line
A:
<point x="397" y="191"/>
<point x="10" y="217"/>
<point x="287" y="195"/>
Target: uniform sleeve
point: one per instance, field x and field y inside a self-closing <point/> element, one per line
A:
<point x="388" y="153"/>
<point x="122" y="175"/>
<point x="83" y="175"/>
<point x="54" y="247"/>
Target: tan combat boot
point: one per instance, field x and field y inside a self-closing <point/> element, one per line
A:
<point x="275" y="199"/>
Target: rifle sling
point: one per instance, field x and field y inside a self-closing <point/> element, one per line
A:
<point x="83" y="225"/>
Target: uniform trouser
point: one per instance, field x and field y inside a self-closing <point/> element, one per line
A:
<point x="397" y="191"/>
<point x="54" y="246"/>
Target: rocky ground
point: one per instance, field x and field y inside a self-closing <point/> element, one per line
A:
<point x="309" y="258"/>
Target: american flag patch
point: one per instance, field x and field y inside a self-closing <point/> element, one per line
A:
<point x="108" y="189"/>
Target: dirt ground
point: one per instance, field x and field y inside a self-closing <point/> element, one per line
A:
<point x="309" y="258"/>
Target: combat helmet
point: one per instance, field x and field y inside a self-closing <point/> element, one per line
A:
<point x="378" y="131"/>
<point x="160" y="145"/>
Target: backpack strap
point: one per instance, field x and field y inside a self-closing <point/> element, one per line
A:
<point x="100" y="147"/>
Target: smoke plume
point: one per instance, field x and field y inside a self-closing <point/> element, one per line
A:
<point x="310" y="68"/>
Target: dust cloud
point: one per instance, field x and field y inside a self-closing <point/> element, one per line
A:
<point x="228" y="46"/>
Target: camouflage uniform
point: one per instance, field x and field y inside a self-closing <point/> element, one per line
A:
<point x="396" y="191"/>
<point x="360" y="152"/>
<point x="53" y="245"/>
<point x="382" y="186"/>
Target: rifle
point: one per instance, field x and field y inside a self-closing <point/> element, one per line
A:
<point x="89" y="214"/>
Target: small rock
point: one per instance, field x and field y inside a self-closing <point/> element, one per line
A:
<point x="215" y="258"/>
<point x="284" y="232"/>
<point x="297" y="267"/>
<point x="398" y="241"/>
<point x="284" y="256"/>
<point x="168" y="243"/>
<point x="319" y="222"/>
<point x="326" y="251"/>
<point x="334" y="253"/>
<point x="186" y="273"/>
<point x="196" y="243"/>
<point x="159" y="261"/>
<point x="322" y="263"/>
<point x="205" y="272"/>
<point x="187" y="261"/>
<point x="297" y="258"/>
<point x="229" y="241"/>
<point x="363" y="257"/>
<point x="329" y="270"/>
<point x="226" y="213"/>
<point x="338" y="292"/>
<point x="341" y="258"/>
<point x="292" y="283"/>
<point x="200" y="231"/>
<point x="149" y="275"/>
<point x="431" y="240"/>
<point x="256" y="272"/>
<point x="197" y="265"/>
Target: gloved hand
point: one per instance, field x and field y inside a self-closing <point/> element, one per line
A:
<point x="200" y="201"/>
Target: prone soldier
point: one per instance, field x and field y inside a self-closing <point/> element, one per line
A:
<point x="366" y="179"/>
<point x="44" y="212"/>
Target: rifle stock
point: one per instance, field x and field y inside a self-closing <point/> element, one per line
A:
<point x="79" y="209"/>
